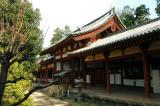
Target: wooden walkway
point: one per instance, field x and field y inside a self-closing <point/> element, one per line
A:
<point x="127" y="95"/>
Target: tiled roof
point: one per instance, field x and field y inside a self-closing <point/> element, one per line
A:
<point x="50" y="47"/>
<point x="90" y="26"/>
<point x="95" y="23"/>
<point x="134" y="32"/>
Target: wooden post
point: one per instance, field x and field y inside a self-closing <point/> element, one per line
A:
<point x="46" y="75"/>
<point x="108" y="86"/>
<point x="53" y="70"/>
<point x="40" y="75"/>
<point x="61" y="60"/>
<point x="146" y="74"/>
<point x="70" y="74"/>
<point x="73" y="72"/>
<point x="79" y="67"/>
<point x="83" y="71"/>
<point x="122" y="69"/>
<point x="146" y="69"/>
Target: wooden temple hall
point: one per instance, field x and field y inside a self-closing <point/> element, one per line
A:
<point x="105" y="53"/>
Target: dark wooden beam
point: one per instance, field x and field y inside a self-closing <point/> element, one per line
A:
<point x="146" y="68"/>
<point x="108" y="86"/>
<point x="61" y="60"/>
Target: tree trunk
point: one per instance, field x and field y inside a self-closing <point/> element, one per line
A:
<point x="3" y="78"/>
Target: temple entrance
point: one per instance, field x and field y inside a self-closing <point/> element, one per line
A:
<point x="95" y="74"/>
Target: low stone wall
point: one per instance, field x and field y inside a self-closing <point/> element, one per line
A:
<point x="57" y="90"/>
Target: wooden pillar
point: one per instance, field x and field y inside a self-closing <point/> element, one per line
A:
<point x="79" y="69"/>
<point x="61" y="65"/>
<point x="43" y="75"/>
<point x="73" y="72"/>
<point x="71" y="75"/>
<point x="122" y="70"/>
<point x="54" y="69"/>
<point x="122" y="67"/>
<point x="83" y="70"/>
<point x="40" y="75"/>
<point x="55" y="66"/>
<point x="108" y="86"/>
<point x="146" y="74"/>
<point x="46" y="75"/>
<point x="146" y="70"/>
<point x="61" y="60"/>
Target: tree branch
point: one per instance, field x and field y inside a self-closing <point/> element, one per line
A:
<point x="33" y="90"/>
<point x="16" y="59"/>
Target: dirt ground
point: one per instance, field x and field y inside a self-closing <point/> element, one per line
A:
<point x="41" y="99"/>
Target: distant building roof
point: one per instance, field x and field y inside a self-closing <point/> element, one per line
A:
<point x="130" y="33"/>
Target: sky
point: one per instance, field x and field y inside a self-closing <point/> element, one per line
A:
<point x="76" y="13"/>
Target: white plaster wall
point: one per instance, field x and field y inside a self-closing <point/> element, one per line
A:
<point x="89" y="58"/>
<point x="156" y="81"/>
<point x="154" y="46"/>
<point x="75" y="65"/>
<point x="88" y="79"/>
<point x="115" y="53"/>
<point x="99" y="56"/>
<point x="128" y="82"/>
<point x="58" y="57"/>
<point x="66" y="66"/>
<point x="111" y="78"/>
<point x="132" y="50"/>
<point x="118" y="78"/>
<point x="58" y="66"/>
<point x="140" y="83"/>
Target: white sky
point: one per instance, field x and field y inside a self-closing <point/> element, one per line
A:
<point x="75" y="13"/>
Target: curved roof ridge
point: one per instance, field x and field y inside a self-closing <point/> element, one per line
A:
<point x="111" y="11"/>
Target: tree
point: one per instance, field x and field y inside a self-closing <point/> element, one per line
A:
<point x="127" y="16"/>
<point x="157" y="9"/>
<point x="142" y="14"/>
<point x="131" y="16"/>
<point x="59" y="33"/>
<point x="20" y="40"/>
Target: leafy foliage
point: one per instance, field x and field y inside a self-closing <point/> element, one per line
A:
<point x="127" y="16"/>
<point x="131" y="16"/>
<point x="59" y="33"/>
<point x="15" y="91"/>
<point x="142" y="14"/>
<point x="157" y="9"/>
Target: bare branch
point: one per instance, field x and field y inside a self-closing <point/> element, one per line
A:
<point x="16" y="29"/>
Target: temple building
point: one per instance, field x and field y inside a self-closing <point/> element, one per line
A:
<point x="106" y="53"/>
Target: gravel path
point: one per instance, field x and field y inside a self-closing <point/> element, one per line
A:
<point x="40" y="99"/>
